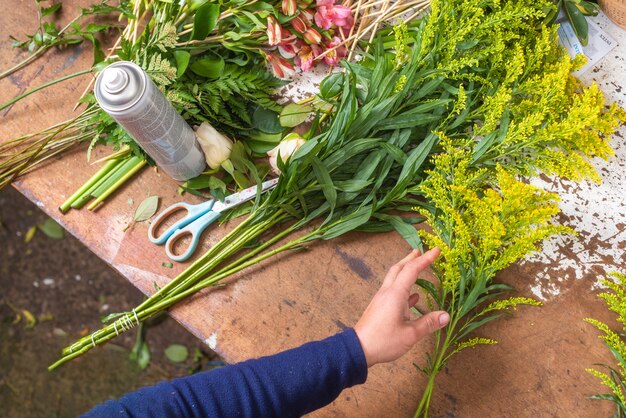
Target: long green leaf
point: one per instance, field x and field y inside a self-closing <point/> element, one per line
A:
<point x="356" y="219"/>
<point x="204" y="20"/>
<point x="325" y="181"/>
<point x="430" y="289"/>
<point x="406" y="231"/>
<point x="476" y="324"/>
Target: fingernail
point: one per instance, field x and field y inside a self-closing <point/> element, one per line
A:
<point x="444" y="318"/>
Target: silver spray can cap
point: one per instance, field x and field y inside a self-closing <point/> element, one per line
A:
<point x="120" y="86"/>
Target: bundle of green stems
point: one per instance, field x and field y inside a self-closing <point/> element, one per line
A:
<point x="105" y="181"/>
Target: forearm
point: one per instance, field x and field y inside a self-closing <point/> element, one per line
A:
<point x="288" y="384"/>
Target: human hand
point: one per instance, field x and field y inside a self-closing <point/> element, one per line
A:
<point x="386" y="330"/>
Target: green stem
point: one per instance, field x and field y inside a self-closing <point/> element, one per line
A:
<point x="25" y="62"/>
<point x="197" y="265"/>
<point x="88" y="195"/>
<point x="43" y="86"/>
<point x="155" y="305"/>
<point x="42" y="49"/>
<point x="422" y="409"/>
<point x="134" y="165"/>
<point x="112" y="330"/>
<point x="65" y="206"/>
<point x="440" y="358"/>
<point x="115" y="175"/>
<point x="232" y="243"/>
<point x="7" y="177"/>
<point x="58" y="149"/>
<point x="240" y="266"/>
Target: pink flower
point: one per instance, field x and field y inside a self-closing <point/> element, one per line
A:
<point x="306" y="56"/>
<point x="312" y="36"/>
<point x="333" y="57"/>
<point x="328" y="14"/>
<point x="274" y="31"/>
<point x="289" y="50"/>
<point x="286" y="37"/>
<point x="300" y="23"/>
<point x="289" y="7"/>
<point x="308" y="15"/>
<point x="280" y="66"/>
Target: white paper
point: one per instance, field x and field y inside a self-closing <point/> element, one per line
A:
<point x="600" y="43"/>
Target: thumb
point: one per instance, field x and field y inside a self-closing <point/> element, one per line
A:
<point x="429" y="323"/>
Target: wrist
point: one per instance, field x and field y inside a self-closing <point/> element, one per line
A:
<point x="369" y="356"/>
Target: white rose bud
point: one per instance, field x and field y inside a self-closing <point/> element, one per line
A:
<point x="287" y="147"/>
<point x="216" y="146"/>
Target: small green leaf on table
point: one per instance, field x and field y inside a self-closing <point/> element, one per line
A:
<point x="146" y="209"/>
<point x="51" y="229"/>
<point x="176" y="353"/>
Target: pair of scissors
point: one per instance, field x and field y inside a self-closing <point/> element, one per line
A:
<point x="197" y="219"/>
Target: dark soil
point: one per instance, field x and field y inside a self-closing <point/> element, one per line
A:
<point x="66" y="288"/>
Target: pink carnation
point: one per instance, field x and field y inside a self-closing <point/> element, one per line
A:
<point x="329" y="14"/>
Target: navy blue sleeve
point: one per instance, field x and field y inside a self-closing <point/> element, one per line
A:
<point x="288" y="384"/>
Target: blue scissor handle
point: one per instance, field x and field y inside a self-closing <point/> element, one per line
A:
<point x="193" y="213"/>
<point x="194" y="229"/>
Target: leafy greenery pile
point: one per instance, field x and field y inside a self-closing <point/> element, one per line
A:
<point x="615" y="380"/>
<point x="483" y="89"/>
<point x="224" y="83"/>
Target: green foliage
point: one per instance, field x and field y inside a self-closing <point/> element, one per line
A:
<point x="160" y="70"/>
<point x="205" y="20"/>
<point x="294" y="114"/>
<point x="228" y="101"/>
<point x="508" y="107"/>
<point x="615" y="379"/>
<point x="202" y="85"/>
<point x="482" y="222"/>
<point x="49" y="34"/>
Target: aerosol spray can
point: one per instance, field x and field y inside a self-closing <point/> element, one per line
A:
<point x="125" y="92"/>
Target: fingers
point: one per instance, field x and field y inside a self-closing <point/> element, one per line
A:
<point x="429" y="323"/>
<point x="407" y="276"/>
<point x="397" y="268"/>
<point x="413" y="299"/>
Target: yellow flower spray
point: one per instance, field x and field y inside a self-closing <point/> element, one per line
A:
<point x="530" y="116"/>
<point x="615" y="380"/>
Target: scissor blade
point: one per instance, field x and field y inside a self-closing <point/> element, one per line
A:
<point x="243" y="196"/>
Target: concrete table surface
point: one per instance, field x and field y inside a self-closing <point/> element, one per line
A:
<point x="536" y="370"/>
